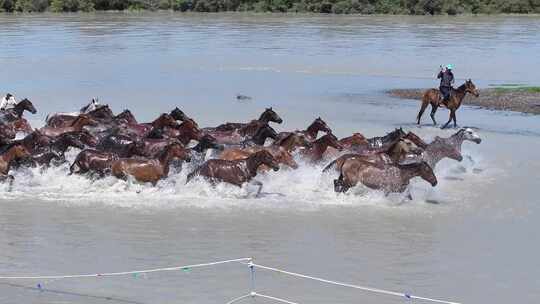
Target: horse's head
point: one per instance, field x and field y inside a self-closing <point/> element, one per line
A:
<point x="286" y="158"/>
<point x="427" y="174"/>
<point x="176" y="150"/>
<point x="468" y="134"/>
<point x="471" y="88"/>
<point x="189" y="130"/>
<point x="406" y="147"/>
<point x="446" y="149"/>
<point x="127" y="116"/>
<point x="331" y="141"/>
<point x="164" y="120"/>
<point x="320" y="125"/>
<point x="264" y="157"/>
<point x="416" y="140"/>
<point x="264" y="132"/>
<point x="27" y="105"/>
<point x="270" y="115"/>
<point x="178" y="114"/>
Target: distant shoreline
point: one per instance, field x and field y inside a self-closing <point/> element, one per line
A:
<point x="524" y="100"/>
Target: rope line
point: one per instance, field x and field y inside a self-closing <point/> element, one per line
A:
<point x="364" y="288"/>
<point x="273" y="298"/>
<point x="110" y="274"/>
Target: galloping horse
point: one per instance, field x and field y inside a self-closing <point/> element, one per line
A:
<point x="434" y="97"/>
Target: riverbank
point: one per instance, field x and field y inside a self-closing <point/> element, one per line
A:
<point x="366" y="7"/>
<point x="518" y="99"/>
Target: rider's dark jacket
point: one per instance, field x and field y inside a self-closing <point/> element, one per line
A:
<point x="447" y="78"/>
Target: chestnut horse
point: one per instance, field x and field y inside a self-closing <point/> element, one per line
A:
<point x="14" y="152"/>
<point x="316" y="152"/>
<point x="311" y="132"/>
<point x="434" y="97"/>
<point x="149" y="170"/>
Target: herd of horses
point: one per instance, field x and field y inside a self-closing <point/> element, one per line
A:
<point x="233" y="153"/>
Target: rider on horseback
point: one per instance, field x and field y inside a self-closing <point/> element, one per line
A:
<point x="447" y="79"/>
<point x="7" y="102"/>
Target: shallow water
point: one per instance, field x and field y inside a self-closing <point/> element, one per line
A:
<point x="475" y="242"/>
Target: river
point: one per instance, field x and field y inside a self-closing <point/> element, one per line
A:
<point x="472" y="239"/>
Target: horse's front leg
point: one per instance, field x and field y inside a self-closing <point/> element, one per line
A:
<point x="448" y="122"/>
<point x="257" y="183"/>
<point x="434" y="108"/>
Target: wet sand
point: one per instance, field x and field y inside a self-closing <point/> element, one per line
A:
<point x="493" y="99"/>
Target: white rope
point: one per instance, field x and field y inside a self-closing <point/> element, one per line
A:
<point x="240" y="298"/>
<point x="273" y="298"/>
<point x="370" y="289"/>
<point x="110" y="274"/>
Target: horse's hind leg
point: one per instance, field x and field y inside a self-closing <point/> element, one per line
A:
<point x="257" y="183"/>
<point x="453" y="115"/>
<point x="434" y="108"/>
<point x="421" y="112"/>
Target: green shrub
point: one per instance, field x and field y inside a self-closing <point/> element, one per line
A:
<point x="7" y="5"/>
<point x="31" y="5"/>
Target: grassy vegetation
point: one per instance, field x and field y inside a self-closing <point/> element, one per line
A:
<point x="407" y="7"/>
<point x="509" y="89"/>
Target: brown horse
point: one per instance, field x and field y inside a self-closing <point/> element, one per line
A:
<point x="149" y="170"/>
<point x="236" y="172"/>
<point x="389" y="178"/>
<point x="281" y="155"/>
<point x="449" y="147"/>
<point x="249" y="129"/>
<point x="311" y="132"/>
<point x="77" y="125"/>
<point x="101" y="114"/>
<point x="7" y="133"/>
<point x="316" y="152"/>
<point x="434" y="97"/>
<point x="292" y="142"/>
<point x="398" y="152"/>
<point x="126" y="117"/>
<point x="15" y="152"/>
<point x="17" y="111"/>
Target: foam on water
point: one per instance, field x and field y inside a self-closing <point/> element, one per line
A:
<point x="304" y="188"/>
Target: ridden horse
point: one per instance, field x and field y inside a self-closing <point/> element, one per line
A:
<point x="236" y="172"/>
<point x="77" y="125"/>
<point x="149" y="170"/>
<point x="434" y="97"/>
<point x="269" y="115"/>
<point x="17" y="111"/>
<point x="316" y="152"/>
<point x="396" y="153"/>
<point x="311" y="132"/>
<point x="389" y="178"/>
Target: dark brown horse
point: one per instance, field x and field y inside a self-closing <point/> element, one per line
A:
<point x="178" y="114"/>
<point x="149" y="170"/>
<point x="389" y="178"/>
<point x="249" y="129"/>
<point x="18" y="110"/>
<point x="434" y="97"/>
<point x="7" y="133"/>
<point x="54" y="152"/>
<point x="316" y="152"/>
<point x="101" y="114"/>
<point x="292" y="142"/>
<point x="318" y="125"/>
<point x="236" y="172"/>
<point x="126" y="117"/>
<point x="77" y="125"/>
<point x="398" y="152"/>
